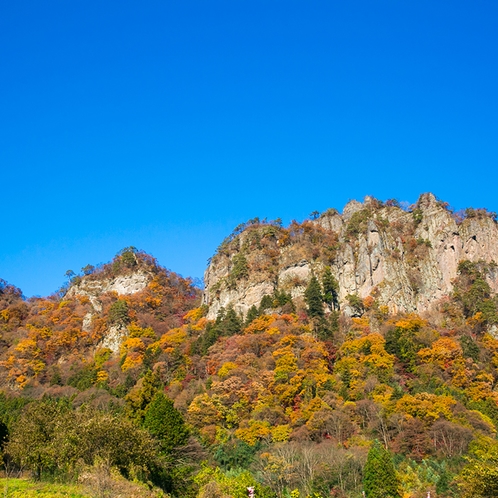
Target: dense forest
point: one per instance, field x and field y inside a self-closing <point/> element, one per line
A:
<point x="312" y="396"/>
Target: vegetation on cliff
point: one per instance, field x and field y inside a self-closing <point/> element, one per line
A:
<point x="302" y="395"/>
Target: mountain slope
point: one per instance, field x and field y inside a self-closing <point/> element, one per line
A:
<point x="406" y="260"/>
<point x="49" y="340"/>
<point x="313" y="341"/>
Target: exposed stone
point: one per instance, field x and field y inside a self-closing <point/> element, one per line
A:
<point x="87" y="322"/>
<point x="93" y="289"/>
<point x="114" y="337"/>
<point x="350" y="208"/>
<point x="408" y="260"/>
<point x="123" y="285"/>
<point x="331" y="220"/>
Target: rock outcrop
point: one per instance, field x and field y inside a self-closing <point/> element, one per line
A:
<point x="405" y="259"/>
<point x="95" y="288"/>
<point x="123" y="285"/>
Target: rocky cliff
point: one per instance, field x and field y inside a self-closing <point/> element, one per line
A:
<point x="94" y="289"/>
<point x="405" y="259"/>
<point x="145" y="290"/>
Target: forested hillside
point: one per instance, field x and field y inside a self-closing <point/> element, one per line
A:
<point x="294" y="375"/>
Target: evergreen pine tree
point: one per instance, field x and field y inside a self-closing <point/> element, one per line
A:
<point x="379" y="475"/>
<point x="220" y="315"/>
<point x="118" y="313"/>
<point x="231" y="323"/>
<point x="330" y="289"/>
<point x="327" y="326"/>
<point x="266" y="303"/>
<point x="204" y="342"/>
<point x="314" y="298"/>
<point x="283" y="300"/>
<point x="356" y="305"/>
<point x="165" y="423"/>
<point x="252" y="314"/>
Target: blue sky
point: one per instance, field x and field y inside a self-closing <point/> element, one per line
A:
<point x="163" y="125"/>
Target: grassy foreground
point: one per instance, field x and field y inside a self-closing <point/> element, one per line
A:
<point x="24" y="488"/>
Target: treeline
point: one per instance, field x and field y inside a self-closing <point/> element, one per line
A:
<point x="58" y="438"/>
<point x="297" y="398"/>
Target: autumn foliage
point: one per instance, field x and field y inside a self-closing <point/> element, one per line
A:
<point x="289" y="400"/>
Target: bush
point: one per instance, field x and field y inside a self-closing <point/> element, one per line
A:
<point x="358" y="223"/>
<point x="118" y="312"/>
<point x="50" y="439"/>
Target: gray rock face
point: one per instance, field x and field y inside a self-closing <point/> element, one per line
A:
<point x="407" y="260"/>
<point x="93" y="289"/>
<point x="123" y="285"/>
<point x="114" y="337"/>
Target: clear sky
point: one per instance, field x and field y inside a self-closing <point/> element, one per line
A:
<point x="164" y="124"/>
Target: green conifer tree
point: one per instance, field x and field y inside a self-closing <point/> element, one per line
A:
<point x="314" y="298"/>
<point x="282" y="298"/>
<point x="220" y="315"/>
<point x="356" y="304"/>
<point x="379" y="476"/>
<point x="330" y="289"/>
<point x="231" y="324"/>
<point x="118" y="313"/>
<point x="252" y="314"/>
<point x="165" y="423"/>
<point x="265" y="304"/>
